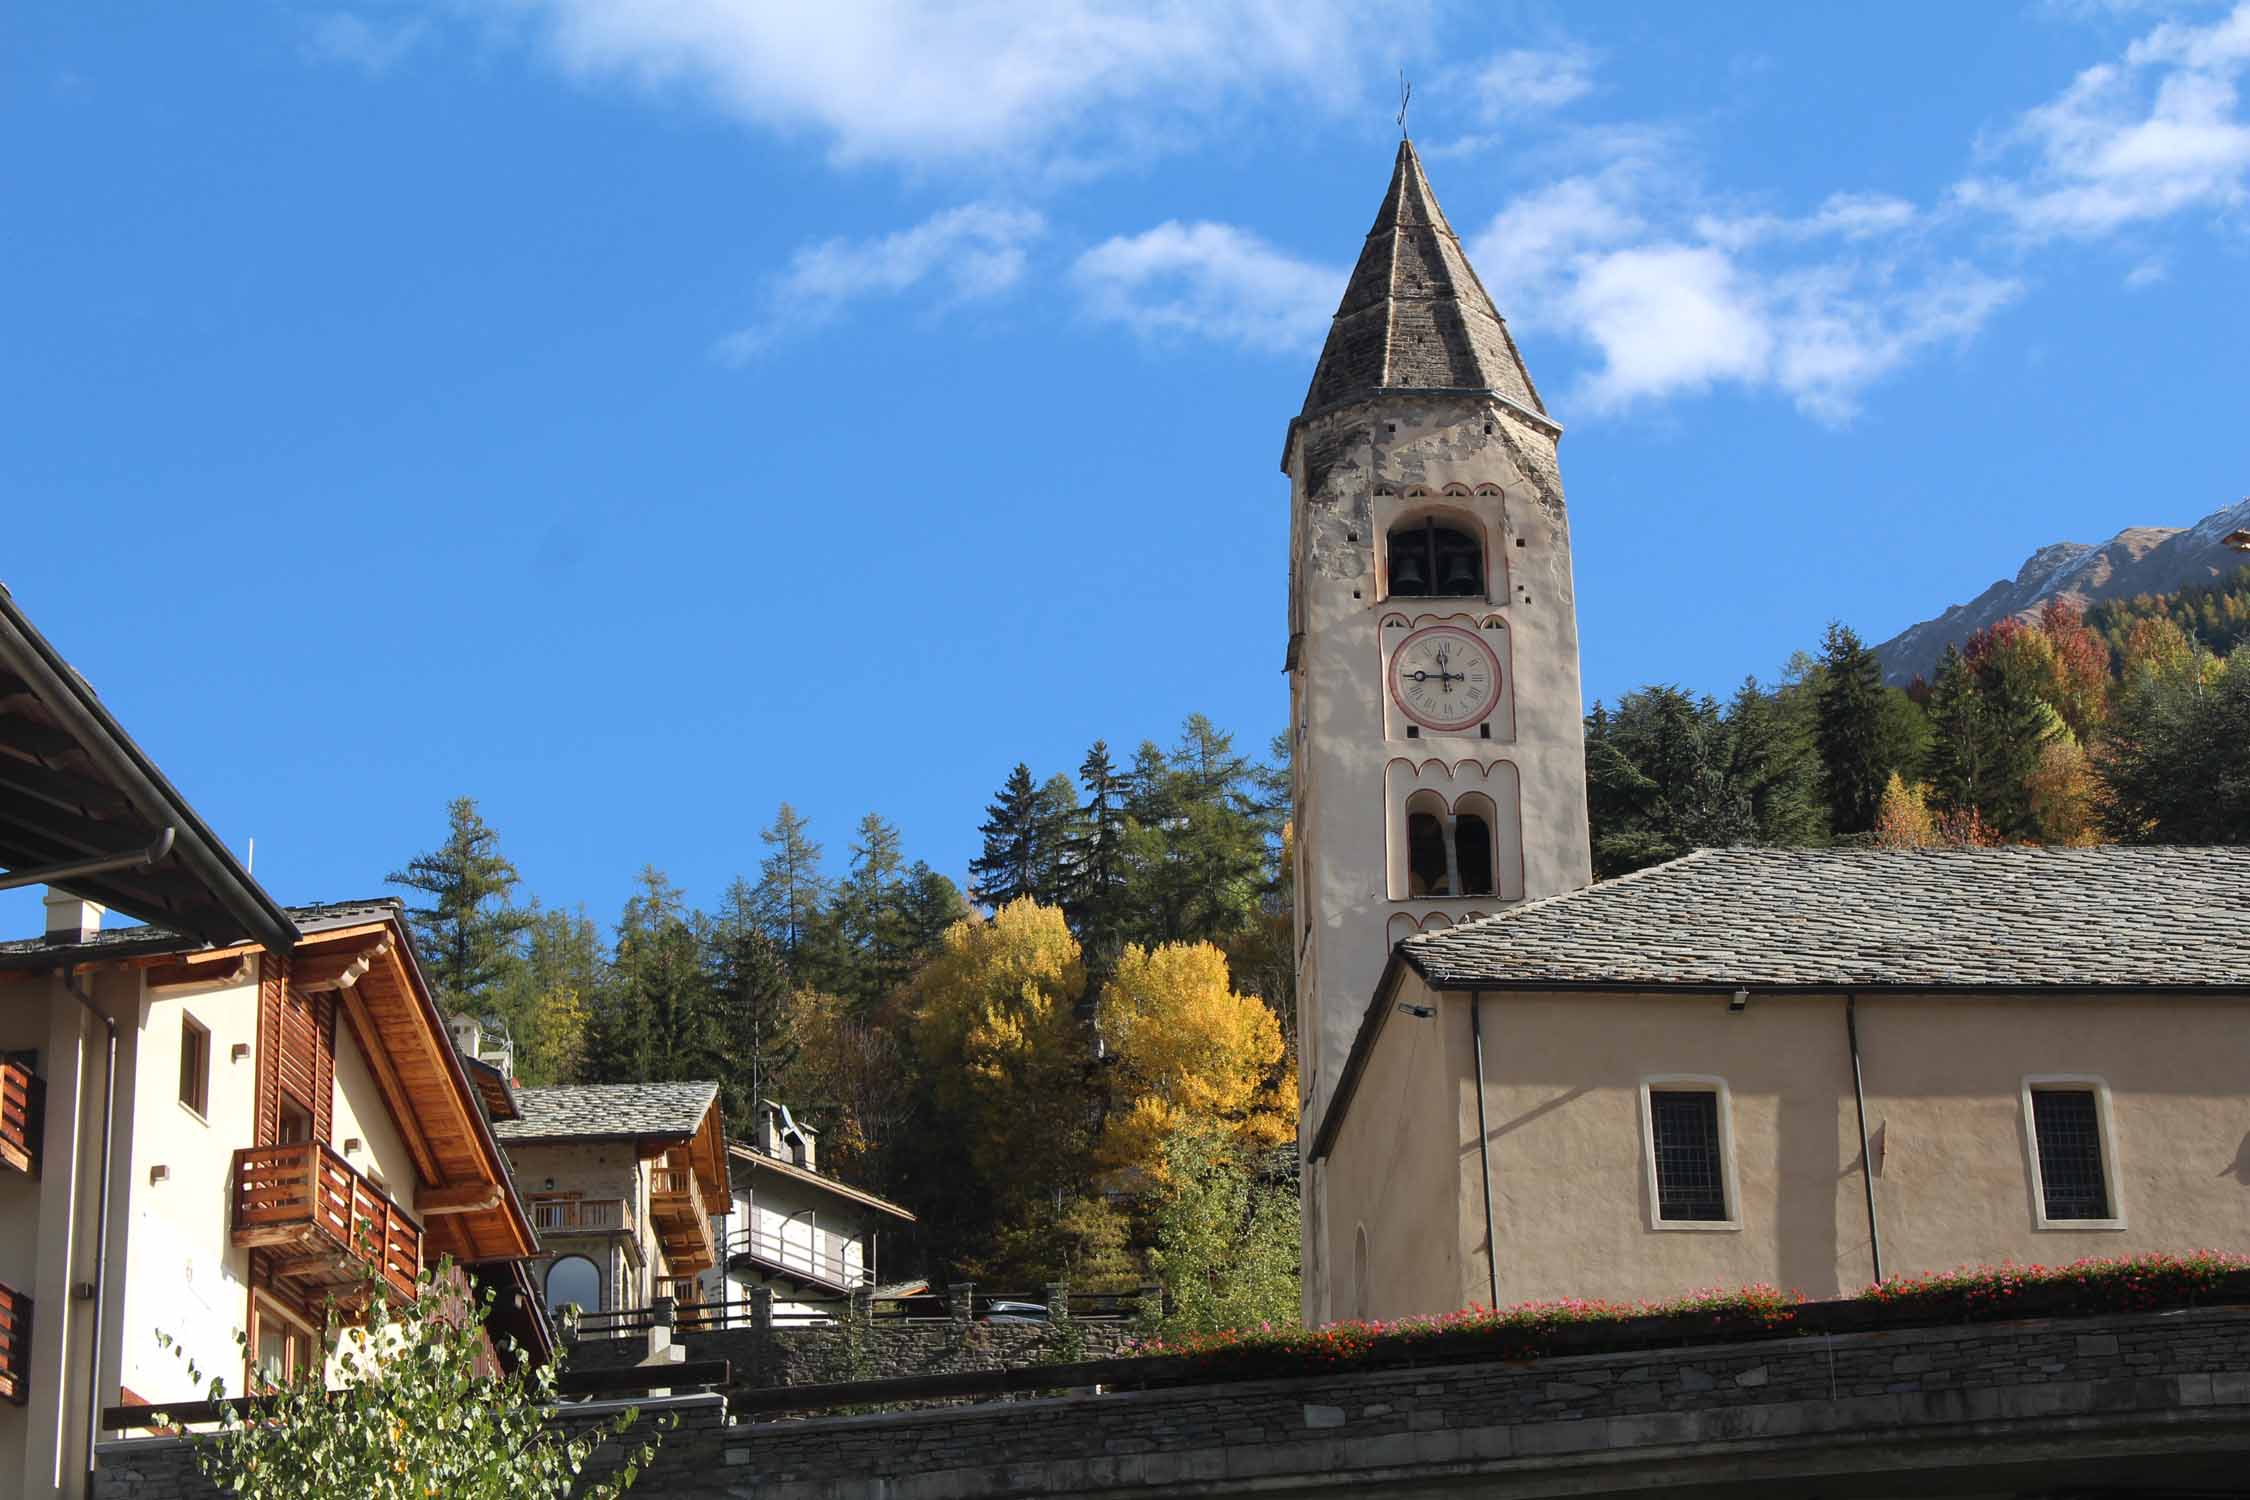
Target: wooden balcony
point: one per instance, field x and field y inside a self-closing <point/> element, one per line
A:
<point x="23" y="1113"/>
<point x="685" y="1291"/>
<point x="675" y="1209"/>
<point x="15" y="1346"/>
<point x="323" y="1221"/>
<point x="582" y="1216"/>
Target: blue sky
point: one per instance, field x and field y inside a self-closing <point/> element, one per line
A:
<point x="634" y="414"/>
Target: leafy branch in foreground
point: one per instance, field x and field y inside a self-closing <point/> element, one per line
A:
<point x="410" y="1417"/>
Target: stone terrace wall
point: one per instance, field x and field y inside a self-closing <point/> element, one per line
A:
<point x="2153" y="1392"/>
<point x="876" y="1351"/>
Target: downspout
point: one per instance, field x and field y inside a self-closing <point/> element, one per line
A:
<point x="1866" y="1158"/>
<point x="1484" y="1149"/>
<point x="101" y="1222"/>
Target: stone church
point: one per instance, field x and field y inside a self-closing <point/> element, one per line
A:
<point x="1810" y="1067"/>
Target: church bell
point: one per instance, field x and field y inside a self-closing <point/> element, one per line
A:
<point x="1406" y="574"/>
<point x="1461" y="574"/>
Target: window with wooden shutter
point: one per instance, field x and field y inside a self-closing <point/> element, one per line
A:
<point x="296" y="1054"/>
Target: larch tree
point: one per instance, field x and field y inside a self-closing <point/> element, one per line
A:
<point x="791" y="888"/>
<point x="469" y="934"/>
<point x="753" y="1008"/>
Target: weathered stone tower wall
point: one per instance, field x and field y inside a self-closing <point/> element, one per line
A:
<point x="1420" y="414"/>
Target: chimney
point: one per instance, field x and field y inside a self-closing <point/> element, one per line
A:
<point x="71" y="919"/>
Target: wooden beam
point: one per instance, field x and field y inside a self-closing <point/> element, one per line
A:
<point x="463" y="1198"/>
<point x="335" y="968"/>
<point x="386" y="1079"/>
<point x="168" y="979"/>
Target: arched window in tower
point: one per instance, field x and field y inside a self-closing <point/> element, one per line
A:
<point x="1429" y="855"/>
<point x="1430" y="559"/>
<point x="1473" y="821"/>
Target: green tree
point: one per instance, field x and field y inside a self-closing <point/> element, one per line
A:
<point x="468" y="934"/>
<point x="2176" y="758"/>
<point x="1864" y="731"/>
<point x="413" y="1416"/>
<point x="1989" y="725"/>
<point x="545" y="1003"/>
<point x="1196" y="842"/>
<point x="753" y="1007"/>
<point x="1008" y="869"/>
<point x="652" y="1018"/>
<point x="1095" y="905"/>
<point x="790" y="889"/>
<point x="1225" y="1251"/>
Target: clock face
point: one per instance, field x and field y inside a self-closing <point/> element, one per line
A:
<point x="1443" y="677"/>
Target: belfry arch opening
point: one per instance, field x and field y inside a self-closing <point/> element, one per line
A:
<point x="1449" y="848"/>
<point x="1435" y="556"/>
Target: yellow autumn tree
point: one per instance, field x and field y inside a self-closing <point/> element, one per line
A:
<point x="994" y="1022"/>
<point x="1902" y="817"/>
<point x="1188" y="1051"/>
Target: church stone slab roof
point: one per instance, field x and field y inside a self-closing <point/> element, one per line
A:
<point x="1414" y="316"/>
<point x="608" y="1111"/>
<point x="1949" y="919"/>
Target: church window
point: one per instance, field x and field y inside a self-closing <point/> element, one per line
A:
<point x="2071" y="1152"/>
<point x="1428" y="560"/>
<point x="1690" y="1153"/>
<point x="1472" y="844"/>
<point x="1426" y="862"/>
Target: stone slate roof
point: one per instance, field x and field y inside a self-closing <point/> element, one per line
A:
<point x="132" y="942"/>
<point x="1415" y="316"/>
<point x="1916" y="918"/>
<point x="608" y="1111"/>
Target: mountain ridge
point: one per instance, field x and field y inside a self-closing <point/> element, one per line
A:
<point x="2138" y="560"/>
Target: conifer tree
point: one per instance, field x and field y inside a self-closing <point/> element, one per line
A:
<point x="652" y="1019"/>
<point x="546" y="1002"/>
<point x="790" y="889"/>
<point x="469" y="935"/>
<point x="1860" y="732"/>
<point x="1054" y="826"/>
<point x="754" y="1020"/>
<point x="1098" y="857"/>
<point x="2176" y="760"/>
<point x="1008" y="869"/>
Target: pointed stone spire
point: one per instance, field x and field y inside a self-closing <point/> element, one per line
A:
<point x="1415" y="317"/>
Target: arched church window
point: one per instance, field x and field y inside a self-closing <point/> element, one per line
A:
<point x="1472" y="844"/>
<point x="1426" y="864"/>
<point x="1432" y="561"/>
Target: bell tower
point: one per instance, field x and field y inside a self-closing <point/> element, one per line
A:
<point x="1433" y="638"/>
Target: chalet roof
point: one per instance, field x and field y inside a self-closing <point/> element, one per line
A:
<point x="609" y="1111"/>
<point x="1944" y="919"/>
<point x="76" y="790"/>
<point x="1414" y="316"/>
<point x="749" y="1156"/>
<point x="145" y="941"/>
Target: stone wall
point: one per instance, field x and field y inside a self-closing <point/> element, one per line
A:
<point x="2152" y="1397"/>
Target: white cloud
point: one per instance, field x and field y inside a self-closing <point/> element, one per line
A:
<point x="2147" y="274"/>
<point x="1211" y="281"/>
<point x="1525" y="81"/>
<point x="2156" y="133"/>
<point x="374" y="47"/>
<point x="1674" y="299"/>
<point x="972" y="252"/>
<point x="928" y="81"/>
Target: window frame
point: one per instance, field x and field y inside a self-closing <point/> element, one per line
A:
<point x="195" y="1043"/>
<point x="2104" y="1121"/>
<point x="1729" y="1181"/>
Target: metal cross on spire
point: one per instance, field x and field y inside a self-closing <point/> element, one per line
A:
<point x="1405" y="97"/>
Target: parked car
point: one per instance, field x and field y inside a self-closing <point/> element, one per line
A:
<point x="1016" y="1312"/>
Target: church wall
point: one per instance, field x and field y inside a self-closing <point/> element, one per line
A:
<point x="1400" y="1180"/>
<point x="1955" y="1181"/>
<point x="1945" y="1103"/>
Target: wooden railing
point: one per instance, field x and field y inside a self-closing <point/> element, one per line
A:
<point x="675" y="1202"/>
<point x="23" y="1111"/>
<point x="580" y="1215"/>
<point x="685" y="1291"/>
<point x="810" y="1261"/>
<point x="305" y="1195"/>
<point x="15" y="1346"/>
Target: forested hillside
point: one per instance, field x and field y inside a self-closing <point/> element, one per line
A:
<point x="1075" y="1068"/>
<point x="2129" y="725"/>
